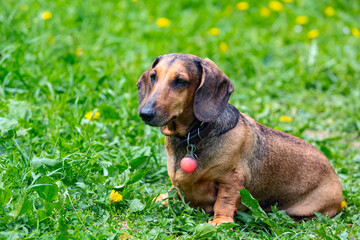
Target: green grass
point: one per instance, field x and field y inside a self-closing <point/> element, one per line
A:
<point x="57" y="169"/>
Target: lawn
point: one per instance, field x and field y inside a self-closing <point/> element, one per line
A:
<point x="70" y="133"/>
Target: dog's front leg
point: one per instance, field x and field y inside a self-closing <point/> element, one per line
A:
<point x="227" y="200"/>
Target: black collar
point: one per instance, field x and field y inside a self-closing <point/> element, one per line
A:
<point x="198" y="132"/>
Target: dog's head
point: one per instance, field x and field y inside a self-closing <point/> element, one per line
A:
<point x="179" y="87"/>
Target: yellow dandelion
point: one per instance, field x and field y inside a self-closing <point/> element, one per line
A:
<point x="46" y="15"/>
<point x="214" y="31"/>
<point x="302" y="20"/>
<point x="24" y="7"/>
<point x="79" y="52"/>
<point x="242" y="6"/>
<point x="355" y="32"/>
<point x="163" y="22"/>
<point x="265" y="12"/>
<point x="124" y="235"/>
<point x="223" y="47"/>
<point x="115" y="196"/>
<point x="52" y="40"/>
<point x="134" y="0"/>
<point x="329" y="11"/>
<point x="276" y="6"/>
<point x="343" y="205"/>
<point x="313" y="34"/>
<point x="285" y="119"/>
<point x="90" y="114"/>
<point x="288" y="1"/>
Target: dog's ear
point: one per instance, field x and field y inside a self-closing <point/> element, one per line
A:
<point x="144" y="82"/>
<point x="213" y="92"/>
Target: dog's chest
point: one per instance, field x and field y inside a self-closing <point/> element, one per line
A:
<point x="199" y="192"/>
<point x="199" y="189"/>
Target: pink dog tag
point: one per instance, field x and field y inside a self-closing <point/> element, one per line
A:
<point x="188" y="164"/>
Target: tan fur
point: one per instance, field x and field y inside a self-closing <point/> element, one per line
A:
<point x="274" y="166"/>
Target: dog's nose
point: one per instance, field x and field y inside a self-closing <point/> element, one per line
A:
<point x="147" y="114"/>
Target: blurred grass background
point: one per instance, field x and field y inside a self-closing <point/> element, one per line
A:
<point x="62" y="59"/>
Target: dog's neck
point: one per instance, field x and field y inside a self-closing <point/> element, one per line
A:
<point x="197" y="130"/>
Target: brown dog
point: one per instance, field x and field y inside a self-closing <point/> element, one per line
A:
<point x="188" y="98"/>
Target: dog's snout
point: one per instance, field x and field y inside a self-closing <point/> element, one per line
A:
<point x="147" y="114"/>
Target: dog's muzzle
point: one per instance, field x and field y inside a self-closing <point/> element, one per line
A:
<point x="147" y="114"/>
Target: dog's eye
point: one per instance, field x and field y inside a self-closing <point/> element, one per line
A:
<point x="153" y="78"/>
<point x="179" y="82"/>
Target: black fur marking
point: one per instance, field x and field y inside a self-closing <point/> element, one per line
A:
<point x="227" y="120"/>
<point x="192" y="65"/>
<point x="259" y="153"/>
<point x="199" y="67"/>
<point x="172" y="61"/>
<point x="156" y="61"/>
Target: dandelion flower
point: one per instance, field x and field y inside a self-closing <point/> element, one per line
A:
<point x="313" y="34"/>
<point x="276" y="6"/>
<point x="302" y="20"/>
<point x="79" y="52"/>
<point x="329" y="11"/>
<point x="134" y="0"/>
<point x="163" y="22"/>
<point x="115" y="196"/>
<point x="242" y="6"/>
<point x="265" y="12"/>
<point x="124" y="235"/>
<point x="214" y="31"/>
<point x="223" y="47"/>
<point x="285" y="119"/>
<point x="343" y="205"/>
<point x="355" y="32"/>
<point x="288" y="1"/>
<point x="89" y="114"/>
<point x="46" y="15"/>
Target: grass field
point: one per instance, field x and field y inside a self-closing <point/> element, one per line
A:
<point x="63" y="62"/>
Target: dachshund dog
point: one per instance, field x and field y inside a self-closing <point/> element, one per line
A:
<point x="187" y="97"/>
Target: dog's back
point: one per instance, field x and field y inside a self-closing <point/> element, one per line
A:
<point x="291" y="172"/>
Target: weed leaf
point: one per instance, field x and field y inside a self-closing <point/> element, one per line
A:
<point x="21" y="206"/>
<point x="252" y="204"/>
<point x="136" y="205"/>
<point x="46" y="188"/>
<point x="139" y="162"/>
<point x="204" y="230"/>
<point x="7" y="125"/>
<point x="38" y="162"/>
<point x="19" y="110"/>
<point x="5" y="196"/>
<point x="137" y="175"/>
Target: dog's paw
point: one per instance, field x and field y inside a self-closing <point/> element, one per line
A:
<point x="161" y="198"/>
<point x="220" y="220"/>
